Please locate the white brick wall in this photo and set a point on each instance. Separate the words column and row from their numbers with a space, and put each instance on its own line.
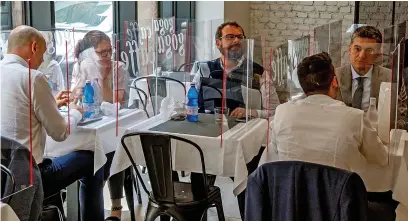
column 296, row 19
column 377, row 14
column 401, row 12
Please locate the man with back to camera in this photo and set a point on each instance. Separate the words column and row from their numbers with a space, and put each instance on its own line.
column 320, row 129
column 26, row 47
column 229, row 37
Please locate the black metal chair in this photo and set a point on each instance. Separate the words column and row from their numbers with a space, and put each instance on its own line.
column 180, row 200
column 5, row 172
column 143, row 102
column 207, row 87
column 158, row 82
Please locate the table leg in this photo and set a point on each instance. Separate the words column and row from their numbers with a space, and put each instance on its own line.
column 73, row 202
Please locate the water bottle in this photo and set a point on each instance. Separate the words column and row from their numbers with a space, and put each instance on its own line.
column 88, row 100
column 372, row 113
column 97, row 97
column 192, row 104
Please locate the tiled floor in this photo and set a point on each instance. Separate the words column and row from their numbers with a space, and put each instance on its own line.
column 229, row 202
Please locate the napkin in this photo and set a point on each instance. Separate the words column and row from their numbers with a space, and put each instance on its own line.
column 109, row 109
column 167, row 107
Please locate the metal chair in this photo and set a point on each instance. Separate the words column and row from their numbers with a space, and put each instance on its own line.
column 158, row 82
column 5, row 172
column 182, row 201
column 138, row 90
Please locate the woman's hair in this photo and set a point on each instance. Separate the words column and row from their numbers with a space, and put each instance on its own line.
column 316, row 73
column 91, row 39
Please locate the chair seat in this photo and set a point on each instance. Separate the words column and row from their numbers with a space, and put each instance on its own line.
column 183, row 195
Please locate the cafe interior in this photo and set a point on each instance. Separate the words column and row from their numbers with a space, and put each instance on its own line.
column 204, row 110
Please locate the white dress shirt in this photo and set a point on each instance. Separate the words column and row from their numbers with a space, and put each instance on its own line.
column 322, row 130
column 365, row 101
column 201, row 69
column 88, row 69
column 15, row 107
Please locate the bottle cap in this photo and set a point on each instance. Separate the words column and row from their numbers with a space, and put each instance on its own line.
column 373, row 100
column 87, row 82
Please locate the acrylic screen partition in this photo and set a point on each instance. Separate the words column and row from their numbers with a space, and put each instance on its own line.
column 165, row 55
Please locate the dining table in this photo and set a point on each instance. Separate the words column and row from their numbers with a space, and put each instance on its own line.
column 227, row 146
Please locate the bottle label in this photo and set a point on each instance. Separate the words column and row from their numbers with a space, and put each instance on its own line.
column 192, row 110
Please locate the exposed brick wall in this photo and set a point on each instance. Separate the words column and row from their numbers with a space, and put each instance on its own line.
column 401, row 12
column 282, row 21
column 377, row 14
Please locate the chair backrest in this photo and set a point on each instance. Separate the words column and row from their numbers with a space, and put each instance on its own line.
column 16, row 158
column 142, row 101
column 158, row 83
column 158, row 157
column 254, row 98
column 4, row 174
column 210, row 94
column 294, row 190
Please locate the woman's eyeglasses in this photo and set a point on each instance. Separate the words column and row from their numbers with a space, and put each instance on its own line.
column 231, row 37
column 104, row 53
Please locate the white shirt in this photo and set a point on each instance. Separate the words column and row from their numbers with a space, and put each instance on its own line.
column 88, row 69
column 365, row 101
column 15, row 107
column 322, row 130
column 201, row 69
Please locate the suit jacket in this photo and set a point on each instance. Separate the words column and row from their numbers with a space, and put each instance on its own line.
column 300, row 191
column 344, row 77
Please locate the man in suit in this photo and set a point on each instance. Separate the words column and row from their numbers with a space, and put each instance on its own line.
column 320, row 129
column 361, row 79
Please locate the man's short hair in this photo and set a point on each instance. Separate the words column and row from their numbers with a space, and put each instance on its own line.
column 218, row 33
column 367, row 32
column 316, row 73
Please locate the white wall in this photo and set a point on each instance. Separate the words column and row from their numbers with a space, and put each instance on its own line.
column 209, row 15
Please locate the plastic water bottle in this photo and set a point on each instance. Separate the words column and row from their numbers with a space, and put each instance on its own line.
column 88, row 100
column 192, row 105
column 97, row 97
column 372, row 113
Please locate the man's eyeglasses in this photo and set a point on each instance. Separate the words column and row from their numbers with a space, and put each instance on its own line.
column 104, row 53
column 231, row 37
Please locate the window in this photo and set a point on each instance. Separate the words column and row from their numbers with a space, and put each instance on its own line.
column 84, row 16
column 6, row 18
column 73, row 19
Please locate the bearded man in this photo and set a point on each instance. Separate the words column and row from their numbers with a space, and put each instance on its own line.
column 234, row 67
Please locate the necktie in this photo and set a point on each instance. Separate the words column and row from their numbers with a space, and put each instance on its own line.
column 358, row 94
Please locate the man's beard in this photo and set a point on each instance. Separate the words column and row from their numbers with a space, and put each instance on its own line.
column 232, row 54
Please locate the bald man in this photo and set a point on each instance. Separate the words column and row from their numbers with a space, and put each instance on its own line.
column 26, row 47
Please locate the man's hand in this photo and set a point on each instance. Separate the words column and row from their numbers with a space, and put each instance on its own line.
column 241, row 112
column 62, row 98
column 238, row 112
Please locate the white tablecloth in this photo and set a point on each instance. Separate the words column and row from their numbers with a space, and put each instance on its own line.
column 239, row 146
column 99, row 137
column 380, row 179
column 7, row 213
